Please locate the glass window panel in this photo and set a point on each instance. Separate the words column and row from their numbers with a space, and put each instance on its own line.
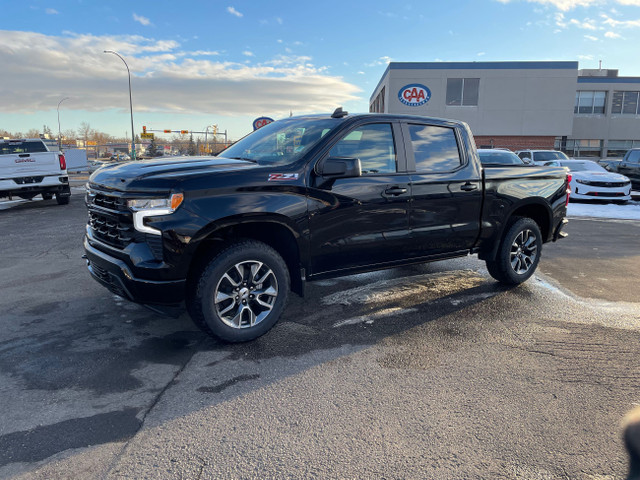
column 470, row 92
column 454, row 91
column 372, row 144
column 577, row 102
column 599, row 101
column 435, row 148
column 630, row 103
column 616, row 104
column 586, row 102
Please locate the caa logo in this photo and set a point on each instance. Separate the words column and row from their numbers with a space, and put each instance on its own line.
column 414, row 95
column 261, row 122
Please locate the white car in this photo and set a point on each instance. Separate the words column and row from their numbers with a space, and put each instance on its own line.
column 589, row 181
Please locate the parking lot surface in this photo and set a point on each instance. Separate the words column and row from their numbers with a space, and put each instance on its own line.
column 432, row 371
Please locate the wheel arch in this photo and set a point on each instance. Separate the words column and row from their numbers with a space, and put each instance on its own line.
column 271, row 230
column 537, row 210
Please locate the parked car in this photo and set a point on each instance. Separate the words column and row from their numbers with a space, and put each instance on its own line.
column 590, row 181
column 28, row 168
column 497, row 157
column 541, row 157
column 609, row 164
column 630, row 166
column 231, row 235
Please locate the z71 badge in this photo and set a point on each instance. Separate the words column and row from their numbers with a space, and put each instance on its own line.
column 273, row 177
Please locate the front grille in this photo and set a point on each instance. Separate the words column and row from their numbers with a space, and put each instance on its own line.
column 114, row 230
column 608, row 184
column 111, row 202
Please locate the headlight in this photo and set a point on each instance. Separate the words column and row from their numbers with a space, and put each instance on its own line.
column 167, row 203
column 153, row 207
column 584, row 182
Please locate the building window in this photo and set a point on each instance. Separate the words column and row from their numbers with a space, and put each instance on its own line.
column 625, row 103
column 590, row 103
column 584, row 148
column 462, row 91
column 377, row 106
column 435, row 149
column 617, row 148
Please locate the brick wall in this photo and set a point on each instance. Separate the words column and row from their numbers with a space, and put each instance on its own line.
column 515, row 142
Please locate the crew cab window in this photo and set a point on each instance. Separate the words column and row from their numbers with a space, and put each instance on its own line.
column 372, row 144
column 435, row 149
column 524, row 155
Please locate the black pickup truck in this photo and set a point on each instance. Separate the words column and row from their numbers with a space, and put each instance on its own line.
column 307, row 198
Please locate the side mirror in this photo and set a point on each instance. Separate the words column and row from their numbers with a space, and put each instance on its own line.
column 341, row 167
column 527, row 161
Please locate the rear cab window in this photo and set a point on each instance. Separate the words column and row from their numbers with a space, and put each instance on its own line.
column 17, row 147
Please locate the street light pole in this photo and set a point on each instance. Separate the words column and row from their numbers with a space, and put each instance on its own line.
column 59, row 137
column 133, row 140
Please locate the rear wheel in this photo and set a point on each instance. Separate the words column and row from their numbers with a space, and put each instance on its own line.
column 62, row 200
column 519, row 252
column 241, row 293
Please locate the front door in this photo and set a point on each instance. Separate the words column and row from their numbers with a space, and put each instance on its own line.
column 361, row 221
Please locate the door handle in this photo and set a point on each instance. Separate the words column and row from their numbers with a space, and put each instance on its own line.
column 395, row 191
column 468, row 187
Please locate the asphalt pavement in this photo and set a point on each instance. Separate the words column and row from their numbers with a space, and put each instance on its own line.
column 431, row 371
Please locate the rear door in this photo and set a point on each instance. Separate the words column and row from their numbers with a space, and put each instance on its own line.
column 355, row 222
column 446, row 187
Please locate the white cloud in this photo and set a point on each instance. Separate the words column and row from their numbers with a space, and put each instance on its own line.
column 591, row 37
column 247, row 53
column 566, row 5
column 51, row 11
column 585, row 57
column 619, row 23
column 612, row 35
column 39, row 69
column 279, row 20
column 380, row 61
column 235, row 12
column 141, row 20
column 586, row 24
column 482, row 54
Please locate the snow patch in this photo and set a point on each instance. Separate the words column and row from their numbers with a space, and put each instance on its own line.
column 629, row 211
column 369, row 319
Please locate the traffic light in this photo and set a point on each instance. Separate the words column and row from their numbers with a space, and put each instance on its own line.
column 167, row 131
column 144, row 129
column 184, row 132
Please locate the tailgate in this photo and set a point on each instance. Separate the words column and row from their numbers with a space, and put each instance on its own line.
column 29, row 165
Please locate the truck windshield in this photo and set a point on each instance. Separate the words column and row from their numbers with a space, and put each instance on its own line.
column 281, row 142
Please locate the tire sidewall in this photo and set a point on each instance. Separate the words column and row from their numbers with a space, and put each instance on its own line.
column 221, row 265
column 505, row 250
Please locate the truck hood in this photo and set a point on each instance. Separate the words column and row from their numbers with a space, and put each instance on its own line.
column 162, row 173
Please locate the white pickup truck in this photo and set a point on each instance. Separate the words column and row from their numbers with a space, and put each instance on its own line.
column 28, row 168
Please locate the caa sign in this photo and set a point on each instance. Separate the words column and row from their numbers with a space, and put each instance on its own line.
column 261, row 122
column 414, row 95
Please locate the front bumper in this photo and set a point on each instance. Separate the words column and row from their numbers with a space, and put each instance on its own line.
column 115, row 275
column 591, row 192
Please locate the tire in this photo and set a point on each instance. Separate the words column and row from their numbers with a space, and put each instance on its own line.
column 47, row 196
column 519, row 252
column 62, row 200
column 241, row 292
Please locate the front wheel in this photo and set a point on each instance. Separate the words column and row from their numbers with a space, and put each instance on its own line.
column 241, row 293
column 519, row 252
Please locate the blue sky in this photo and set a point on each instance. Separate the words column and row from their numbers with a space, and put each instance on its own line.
column 227, row 62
